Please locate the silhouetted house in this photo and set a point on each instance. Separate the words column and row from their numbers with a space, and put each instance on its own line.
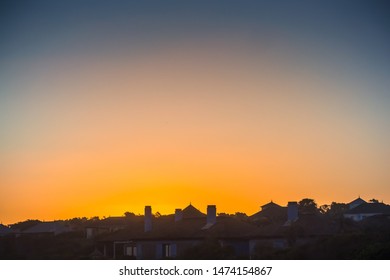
column 171, row 236
column 366, row 210
column 270, row 213
column 47, row 228
column 273, row 232
column 358, row 201
column 4, row 230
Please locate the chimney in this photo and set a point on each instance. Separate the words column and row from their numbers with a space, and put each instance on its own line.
column 211, row 214
column 148, row 218
column 178, row 215
column 292, row 211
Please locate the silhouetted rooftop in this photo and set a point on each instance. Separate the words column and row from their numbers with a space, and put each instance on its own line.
column 356, row 202
column 270, row 212
column 191, row 212
column 270, row 204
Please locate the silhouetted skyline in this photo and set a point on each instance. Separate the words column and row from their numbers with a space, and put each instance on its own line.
column 300, row 230
column 112, row 105
column 369, row 207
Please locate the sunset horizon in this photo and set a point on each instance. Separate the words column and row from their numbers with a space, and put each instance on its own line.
column 170, row 210
column 109, row 107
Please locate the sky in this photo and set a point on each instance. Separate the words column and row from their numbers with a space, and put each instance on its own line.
column 108, row 106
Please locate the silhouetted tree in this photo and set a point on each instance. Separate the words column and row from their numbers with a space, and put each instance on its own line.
column 337, row 210
column 373, row 200
column 307, row 206
column 324, row 208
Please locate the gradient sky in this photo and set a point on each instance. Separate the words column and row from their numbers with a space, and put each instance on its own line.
column 107, row 106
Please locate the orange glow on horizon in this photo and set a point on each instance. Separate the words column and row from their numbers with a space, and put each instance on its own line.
column 203, row 126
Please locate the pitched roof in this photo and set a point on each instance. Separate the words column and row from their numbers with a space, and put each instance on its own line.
column 270, row 212
column 357, row 201
column 269, row 205
column 191, row 212
column 370, row 208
